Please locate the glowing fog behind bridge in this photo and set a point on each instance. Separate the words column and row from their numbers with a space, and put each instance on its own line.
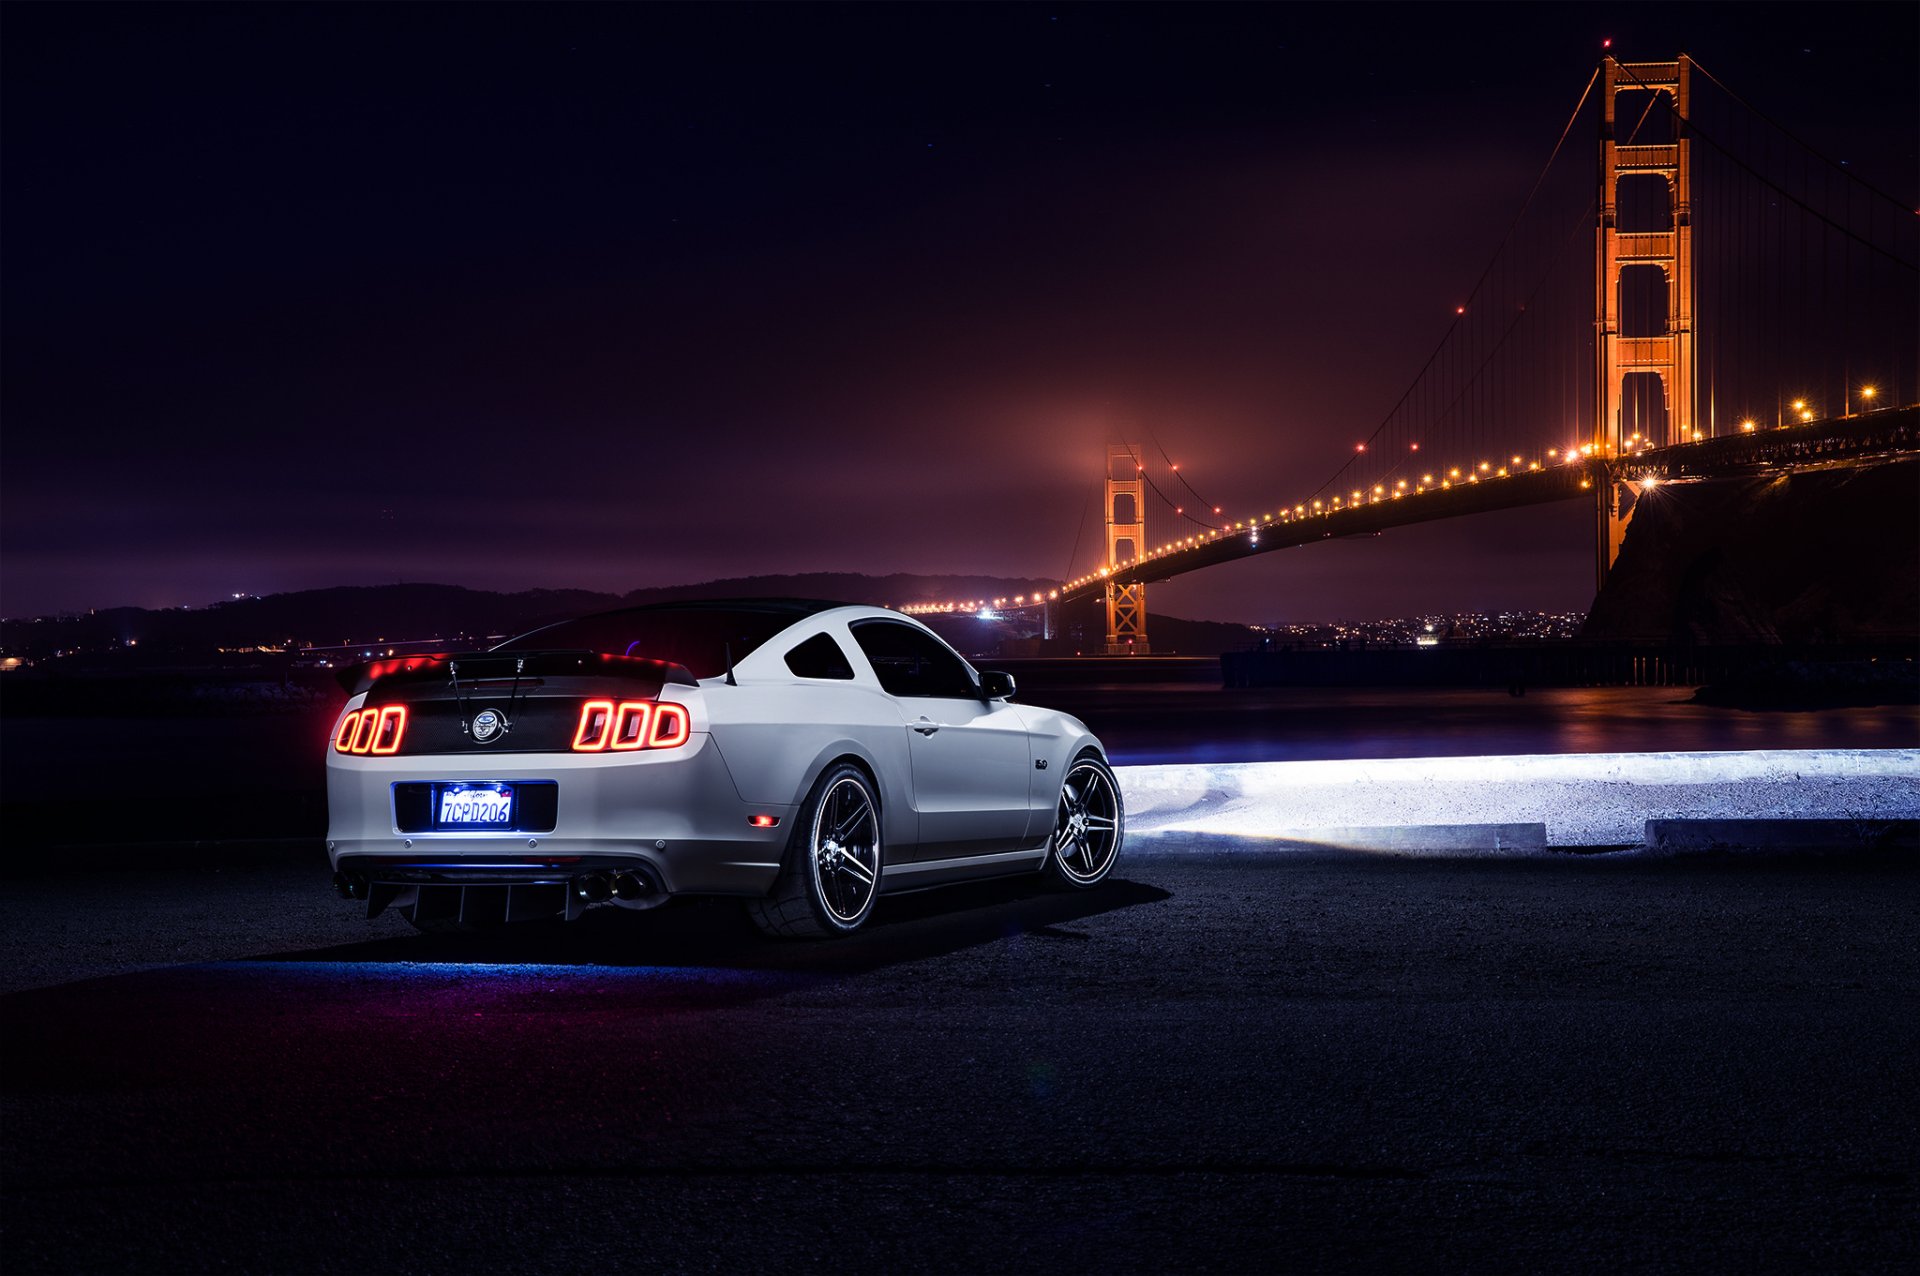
column 1722, row 300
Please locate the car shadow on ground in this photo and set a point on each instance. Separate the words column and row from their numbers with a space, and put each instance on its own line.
column 715, row 933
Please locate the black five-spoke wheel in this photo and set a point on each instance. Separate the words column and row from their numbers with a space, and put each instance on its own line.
column 846, row 850
column 832, row 871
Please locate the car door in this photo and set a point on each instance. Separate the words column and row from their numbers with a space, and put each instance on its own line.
column 970, row 757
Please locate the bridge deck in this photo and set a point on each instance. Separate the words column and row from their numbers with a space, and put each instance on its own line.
column 1865, row 439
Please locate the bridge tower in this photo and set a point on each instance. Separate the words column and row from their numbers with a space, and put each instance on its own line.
column 1668, row 355
column 1126, row 541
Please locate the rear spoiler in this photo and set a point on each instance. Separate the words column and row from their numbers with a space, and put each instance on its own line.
column 476, row 666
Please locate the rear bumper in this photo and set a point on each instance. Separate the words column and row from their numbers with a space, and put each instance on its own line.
column 674, row 816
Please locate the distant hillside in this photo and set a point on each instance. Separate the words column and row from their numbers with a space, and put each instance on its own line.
column 400, row 613
column 353, row 615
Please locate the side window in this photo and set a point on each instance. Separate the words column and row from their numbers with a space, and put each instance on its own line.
column 911, row 663
column 819, row 657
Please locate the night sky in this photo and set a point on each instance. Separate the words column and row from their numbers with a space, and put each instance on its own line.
column 611, row 297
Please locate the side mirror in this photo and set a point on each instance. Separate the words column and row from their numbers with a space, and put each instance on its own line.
column 995, row 685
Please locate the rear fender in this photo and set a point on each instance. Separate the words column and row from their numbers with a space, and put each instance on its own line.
column 898, row 819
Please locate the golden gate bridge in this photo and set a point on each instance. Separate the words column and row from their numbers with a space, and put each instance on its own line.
column 1745, row 305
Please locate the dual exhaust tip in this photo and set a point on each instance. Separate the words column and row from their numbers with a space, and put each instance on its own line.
column 597, row 887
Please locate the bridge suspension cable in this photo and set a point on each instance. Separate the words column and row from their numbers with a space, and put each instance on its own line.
column 1749, row 268
column 1700, row 134
column 1838, row 167
column 1458, row 372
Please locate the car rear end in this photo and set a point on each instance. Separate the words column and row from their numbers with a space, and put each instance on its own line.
column 510, row 786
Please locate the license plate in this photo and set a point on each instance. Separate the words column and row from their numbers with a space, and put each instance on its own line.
column 476, row 806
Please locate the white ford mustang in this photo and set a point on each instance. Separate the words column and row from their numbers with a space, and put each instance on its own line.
column 807, row 757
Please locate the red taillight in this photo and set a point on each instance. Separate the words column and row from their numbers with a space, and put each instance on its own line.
column 671, row 727
column 372, row 730
column 363, row 734
column 635, row 717
column 596, row 726
column 393, row 725
column 629, row 725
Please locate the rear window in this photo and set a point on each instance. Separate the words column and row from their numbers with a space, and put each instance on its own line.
column 700, row 638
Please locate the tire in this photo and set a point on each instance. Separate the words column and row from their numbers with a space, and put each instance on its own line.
column 831, row 875
column 1090, row 825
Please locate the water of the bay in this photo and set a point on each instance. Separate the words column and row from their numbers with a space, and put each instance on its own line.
column 1184, row 722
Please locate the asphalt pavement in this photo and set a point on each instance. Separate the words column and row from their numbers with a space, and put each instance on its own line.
column 1217, row 1061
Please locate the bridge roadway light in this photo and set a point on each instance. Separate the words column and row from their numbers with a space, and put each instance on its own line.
column 1866, row 393
column 1748, row 426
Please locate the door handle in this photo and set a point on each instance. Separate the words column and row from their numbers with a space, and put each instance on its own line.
column 926, row 727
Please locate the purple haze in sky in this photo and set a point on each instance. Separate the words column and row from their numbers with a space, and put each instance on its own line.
column 621, row 296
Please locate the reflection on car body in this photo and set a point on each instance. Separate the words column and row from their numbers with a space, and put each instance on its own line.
column 807, row 757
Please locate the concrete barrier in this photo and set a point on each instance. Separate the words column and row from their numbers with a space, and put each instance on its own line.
column 1450, row 841
column 1582, row 800
column 1783, row 837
